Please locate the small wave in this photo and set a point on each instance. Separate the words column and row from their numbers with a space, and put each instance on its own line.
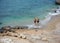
column 49, row 17
column 45, row 21
column 34, row 26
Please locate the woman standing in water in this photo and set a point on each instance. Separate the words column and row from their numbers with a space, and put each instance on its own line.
column 36, row 21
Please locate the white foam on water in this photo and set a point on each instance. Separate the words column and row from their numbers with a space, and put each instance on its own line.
column 46, row 20
column 50, row 15
column 34, row 26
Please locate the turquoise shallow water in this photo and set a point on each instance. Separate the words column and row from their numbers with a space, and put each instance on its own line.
column 22, row 12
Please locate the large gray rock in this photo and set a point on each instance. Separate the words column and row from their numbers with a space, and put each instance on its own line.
column 58, row 2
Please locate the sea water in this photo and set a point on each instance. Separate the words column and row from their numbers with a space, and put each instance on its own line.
column 22, row 12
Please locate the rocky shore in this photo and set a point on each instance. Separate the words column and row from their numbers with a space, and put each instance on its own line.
column 21, row 34
column 30, row 36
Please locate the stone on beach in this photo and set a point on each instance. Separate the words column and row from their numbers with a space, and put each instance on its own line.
column 22, row 36
column 1, row 31
column 6, row 28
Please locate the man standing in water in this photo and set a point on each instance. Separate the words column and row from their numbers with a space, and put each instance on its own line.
column 36, row 21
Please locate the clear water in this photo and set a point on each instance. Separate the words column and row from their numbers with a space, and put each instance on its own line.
column 22, row 12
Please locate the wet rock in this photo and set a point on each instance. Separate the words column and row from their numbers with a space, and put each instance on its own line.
column 20, row 27
column 1, row 31
column 0, row 23
column 16, row 27
column 24, row 27
column 6, row 27
column 57, row 2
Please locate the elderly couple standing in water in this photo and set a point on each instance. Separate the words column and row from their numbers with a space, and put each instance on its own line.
column 36, row 21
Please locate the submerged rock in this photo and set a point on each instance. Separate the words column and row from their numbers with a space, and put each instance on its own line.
column 20, row 27
column 1, row 23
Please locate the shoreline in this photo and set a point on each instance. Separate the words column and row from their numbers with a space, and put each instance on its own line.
column 54, row 20
column 43, row 23
column 49, row 33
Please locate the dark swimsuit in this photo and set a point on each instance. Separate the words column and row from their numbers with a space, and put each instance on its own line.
column 36, row 21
